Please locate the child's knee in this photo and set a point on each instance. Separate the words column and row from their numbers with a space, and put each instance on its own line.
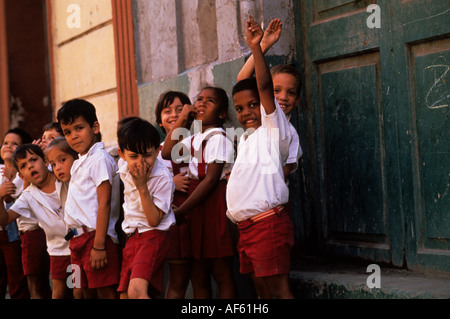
column 138, row 289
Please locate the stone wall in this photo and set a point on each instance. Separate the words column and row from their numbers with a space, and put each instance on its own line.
column 185, row 45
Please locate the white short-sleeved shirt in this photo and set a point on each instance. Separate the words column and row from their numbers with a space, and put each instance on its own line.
column 295, row 150
column 219, row 148
column 87, row 173
column 42, row 207
column 23, row 223
column 256, row 183
column 161, row 187
column 168, row 163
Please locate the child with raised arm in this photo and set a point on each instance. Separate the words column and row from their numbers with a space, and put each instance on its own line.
column 256, row 191
column 92, row 204
column 41, row 201
column 211, row 154
column 148, row 215
column 167, row 112
column 11, row 185
column 51, row 132
column 286, row 85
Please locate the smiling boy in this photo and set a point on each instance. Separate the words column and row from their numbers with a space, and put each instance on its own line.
column 256, row 191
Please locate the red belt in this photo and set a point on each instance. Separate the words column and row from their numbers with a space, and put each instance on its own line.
column 276, row 210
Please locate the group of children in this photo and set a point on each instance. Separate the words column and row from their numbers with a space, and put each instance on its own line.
column 173, row 200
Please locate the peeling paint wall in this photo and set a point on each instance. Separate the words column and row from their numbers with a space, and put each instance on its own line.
column 180, row 45
column 185, row 45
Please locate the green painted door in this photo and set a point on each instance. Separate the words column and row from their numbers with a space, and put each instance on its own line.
column 375, row 127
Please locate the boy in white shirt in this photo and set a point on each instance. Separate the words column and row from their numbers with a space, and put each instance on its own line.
column 286, row 85
column 92, row 204
column 256, row 190
column 148, row 215
column 41, row 202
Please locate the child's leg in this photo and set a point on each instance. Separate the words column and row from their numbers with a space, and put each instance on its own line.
column 36, row 262
column 138, row 289
column 33, row 286
column 77, row 293
column 3, row 277
column 201, row 279
column 179, row 276
column 87, row 293
column 279, row 286
column 60, row 289
column 260, row 286
column 223, row 275
column 17, row 282
column 123, row 295
column 108, row 292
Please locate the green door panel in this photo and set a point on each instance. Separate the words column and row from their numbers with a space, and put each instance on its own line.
column 376, row 130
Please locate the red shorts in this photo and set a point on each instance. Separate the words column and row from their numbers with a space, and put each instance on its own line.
column 180, row 240
column 35, row 259
column 143, row 257
column 264, row 247
column 58, row 267
column 80, row 252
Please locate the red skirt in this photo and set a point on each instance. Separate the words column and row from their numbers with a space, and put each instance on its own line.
column 179, row 235
column 209, row 226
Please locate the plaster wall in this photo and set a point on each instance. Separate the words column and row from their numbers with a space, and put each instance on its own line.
column 84, row 58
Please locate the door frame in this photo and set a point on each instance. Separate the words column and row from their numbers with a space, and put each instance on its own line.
column 4, row 81
column 127, row 91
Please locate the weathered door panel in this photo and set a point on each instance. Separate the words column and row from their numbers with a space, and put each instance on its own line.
column 378, row 126
column 424, row 41
column 345, row 80
column 353, row 152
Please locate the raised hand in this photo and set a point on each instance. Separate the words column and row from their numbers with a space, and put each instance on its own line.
column 7, row 189
column 140, row 173
column 188, row 112
column 272, row 34
column 8, row 173
column 254, row 32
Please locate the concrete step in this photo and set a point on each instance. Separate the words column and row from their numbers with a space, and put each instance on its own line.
column 324, row 280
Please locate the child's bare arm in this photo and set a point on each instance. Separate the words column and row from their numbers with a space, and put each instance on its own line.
column 98, row 253
column 6, row 217
column 203, row 189
column 287, row 169
column 271, row 36
column 183, row 121
column 263, row 77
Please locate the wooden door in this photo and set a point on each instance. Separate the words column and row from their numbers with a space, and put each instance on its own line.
column 378, row 163
column 422, row 60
